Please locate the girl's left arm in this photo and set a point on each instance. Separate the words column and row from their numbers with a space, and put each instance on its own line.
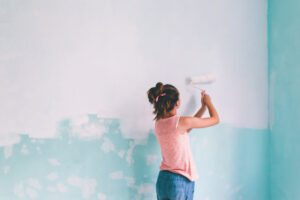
column 199, row 114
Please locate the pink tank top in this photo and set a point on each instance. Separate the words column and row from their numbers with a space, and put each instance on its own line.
column 175, row 148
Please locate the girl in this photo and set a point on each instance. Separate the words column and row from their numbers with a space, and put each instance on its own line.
column 177, row 175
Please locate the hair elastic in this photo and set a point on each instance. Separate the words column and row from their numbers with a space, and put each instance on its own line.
column 163, row 94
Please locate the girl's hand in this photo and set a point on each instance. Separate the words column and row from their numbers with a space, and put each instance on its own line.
column 206, row 99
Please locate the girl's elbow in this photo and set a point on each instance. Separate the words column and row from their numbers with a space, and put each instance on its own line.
column 217, row 121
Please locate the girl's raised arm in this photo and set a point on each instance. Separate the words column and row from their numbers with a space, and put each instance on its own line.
column 187, row 123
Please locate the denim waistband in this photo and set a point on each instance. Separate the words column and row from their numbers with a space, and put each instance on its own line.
column 172, row 175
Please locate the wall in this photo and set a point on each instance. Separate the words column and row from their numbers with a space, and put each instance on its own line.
column 284, row 71
column 74, row 112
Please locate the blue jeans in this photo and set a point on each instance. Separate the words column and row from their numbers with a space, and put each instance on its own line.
column 172, row 186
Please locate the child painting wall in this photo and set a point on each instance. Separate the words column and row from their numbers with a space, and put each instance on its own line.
column 75, row 122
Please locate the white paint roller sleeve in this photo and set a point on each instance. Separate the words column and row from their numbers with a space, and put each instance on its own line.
column 208, row 78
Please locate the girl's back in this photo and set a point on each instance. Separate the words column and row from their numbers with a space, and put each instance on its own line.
column 175, row 148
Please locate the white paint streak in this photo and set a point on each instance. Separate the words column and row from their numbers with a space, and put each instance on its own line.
column 151, row 159
column 146, row 188
column 8, row 139
column 28, row 188
column 121, row 153
column 8, row 150
column 116, row 175
column 107, row 145
column 129, row 157
column 34, row 183
column 87, row 185
column 24, row 150
column 83, row 129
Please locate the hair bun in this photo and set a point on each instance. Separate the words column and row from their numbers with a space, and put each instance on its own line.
column 159, row 87
column 155, row 91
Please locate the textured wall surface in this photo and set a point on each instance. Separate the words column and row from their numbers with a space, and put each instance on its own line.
column 231, row 164
column 75, row 119
column 284, row 71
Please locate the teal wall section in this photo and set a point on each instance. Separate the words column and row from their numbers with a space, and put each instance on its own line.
column 284, row 95
column 231, row 163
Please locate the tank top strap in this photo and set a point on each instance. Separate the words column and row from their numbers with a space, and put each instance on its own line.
column 178, row 117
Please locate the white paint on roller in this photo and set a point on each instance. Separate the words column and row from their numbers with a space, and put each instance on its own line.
column 204, row 79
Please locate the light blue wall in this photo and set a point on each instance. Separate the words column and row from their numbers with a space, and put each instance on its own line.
column 231, row 163
column 284, row 82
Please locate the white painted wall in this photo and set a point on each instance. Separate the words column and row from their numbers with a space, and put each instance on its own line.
column 61, row 59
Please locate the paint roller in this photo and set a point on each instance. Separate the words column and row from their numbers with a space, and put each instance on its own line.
column 203, row 79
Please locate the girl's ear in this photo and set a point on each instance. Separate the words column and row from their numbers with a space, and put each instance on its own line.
column 178, row 103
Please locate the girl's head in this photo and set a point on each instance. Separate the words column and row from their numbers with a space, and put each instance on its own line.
column 164, row 99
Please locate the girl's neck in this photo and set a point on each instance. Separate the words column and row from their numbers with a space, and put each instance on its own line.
column 171, row 113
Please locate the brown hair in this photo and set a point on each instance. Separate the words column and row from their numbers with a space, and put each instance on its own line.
column 165, row 103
